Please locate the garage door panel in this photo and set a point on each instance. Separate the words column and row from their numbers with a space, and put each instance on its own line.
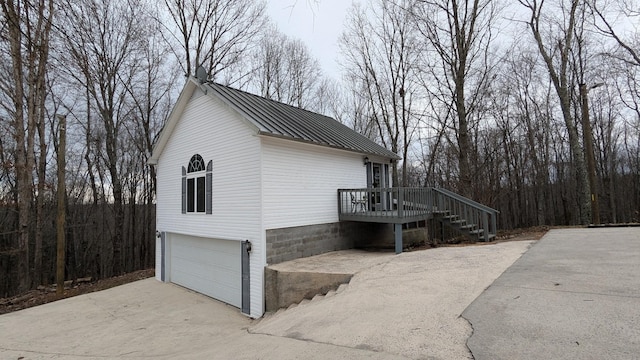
column 209, row 266
column 207, row 257
column 213, row 274
column 217, row 290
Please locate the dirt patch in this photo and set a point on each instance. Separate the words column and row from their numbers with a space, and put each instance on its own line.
column 47, row 294
column 533, row 233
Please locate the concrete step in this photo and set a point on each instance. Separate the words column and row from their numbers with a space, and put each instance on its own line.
column 316, row 297
column 270, row 314
column 267, row 315
column 341, row 288
column 330, row 293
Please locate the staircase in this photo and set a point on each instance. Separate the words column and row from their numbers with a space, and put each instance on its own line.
column 303, row 302
column 402, row 205
column 465, row 216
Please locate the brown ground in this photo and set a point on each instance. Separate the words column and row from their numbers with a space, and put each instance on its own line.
column 46, row 294
column 532, row 233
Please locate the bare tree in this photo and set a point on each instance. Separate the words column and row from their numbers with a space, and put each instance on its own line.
column 461, row 33
column 329, row 99
column 150, row 92
column 627, row 55
column 105, row 59
column 285, row 70
column 382, row 58
column 27, row 30
column 629, row 51
column 555, row 52
column 215, row 34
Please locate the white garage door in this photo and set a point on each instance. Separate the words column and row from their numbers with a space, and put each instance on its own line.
column 208, row 266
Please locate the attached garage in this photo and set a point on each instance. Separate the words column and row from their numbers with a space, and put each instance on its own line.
column 230, row 166
column 209, row 266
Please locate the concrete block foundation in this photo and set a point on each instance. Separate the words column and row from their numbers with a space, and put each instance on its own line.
column 283, row 288
column 292, row 243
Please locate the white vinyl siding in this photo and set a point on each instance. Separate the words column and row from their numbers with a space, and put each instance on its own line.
column 210, row 128
column 301, row 182
column 216, row 134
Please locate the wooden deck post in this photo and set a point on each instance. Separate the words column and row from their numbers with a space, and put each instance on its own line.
column 398, row 234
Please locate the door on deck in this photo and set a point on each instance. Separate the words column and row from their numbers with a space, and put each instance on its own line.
column 378, row 179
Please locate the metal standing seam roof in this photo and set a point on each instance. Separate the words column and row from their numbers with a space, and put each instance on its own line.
column 276, row 119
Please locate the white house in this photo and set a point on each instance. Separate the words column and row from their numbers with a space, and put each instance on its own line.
column 243, row 182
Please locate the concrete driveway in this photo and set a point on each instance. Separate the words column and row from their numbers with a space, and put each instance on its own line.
column 403, row 306
column 574, row 295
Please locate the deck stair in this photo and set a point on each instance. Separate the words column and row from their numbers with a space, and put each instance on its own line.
column 461, row 226
column 405, row 205
column 465, row 216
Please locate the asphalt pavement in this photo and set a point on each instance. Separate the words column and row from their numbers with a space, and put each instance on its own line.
column 574, row 295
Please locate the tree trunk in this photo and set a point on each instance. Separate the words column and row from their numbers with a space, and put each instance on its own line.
column 61, row 218
column 464, row 142
column 28, row 68
column 560, row 81
column 42, row 170
column 111, row 144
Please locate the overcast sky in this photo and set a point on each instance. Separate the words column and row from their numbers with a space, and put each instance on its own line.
column 317, row 23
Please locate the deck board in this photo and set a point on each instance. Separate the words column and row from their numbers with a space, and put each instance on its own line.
column 387, row 216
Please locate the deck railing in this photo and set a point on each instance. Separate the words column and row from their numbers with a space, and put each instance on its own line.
column 402, row 205
column 385, row 203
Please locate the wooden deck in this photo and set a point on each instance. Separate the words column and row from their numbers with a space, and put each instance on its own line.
column 404, row 205
column 386, row 216
column 386, row 205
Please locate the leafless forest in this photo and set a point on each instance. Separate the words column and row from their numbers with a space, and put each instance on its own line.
column 529, row 106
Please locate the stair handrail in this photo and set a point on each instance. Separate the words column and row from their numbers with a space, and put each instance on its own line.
column 486, row 210
column 466, row 200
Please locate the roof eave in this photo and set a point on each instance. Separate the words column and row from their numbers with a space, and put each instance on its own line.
column 172, row 120
column 309, row 142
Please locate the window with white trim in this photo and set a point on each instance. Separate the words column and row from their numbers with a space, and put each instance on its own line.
column 197, row 186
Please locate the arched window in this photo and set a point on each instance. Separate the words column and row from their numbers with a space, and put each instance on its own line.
column 196, row 164
column 197, row 186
